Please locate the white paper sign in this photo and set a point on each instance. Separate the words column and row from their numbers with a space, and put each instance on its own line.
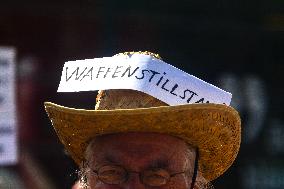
column 8, row 134
column 143, row 73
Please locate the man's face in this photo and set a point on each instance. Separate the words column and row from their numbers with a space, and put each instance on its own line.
column 137, row 152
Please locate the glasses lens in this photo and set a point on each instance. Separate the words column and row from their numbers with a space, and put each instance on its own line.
column 155, row 177
column 112, row 174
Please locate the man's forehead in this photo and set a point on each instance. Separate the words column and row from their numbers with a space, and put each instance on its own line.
column 153, row 161
column 156, row 150
column 139, row 142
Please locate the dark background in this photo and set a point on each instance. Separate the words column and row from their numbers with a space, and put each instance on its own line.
column 236, row 45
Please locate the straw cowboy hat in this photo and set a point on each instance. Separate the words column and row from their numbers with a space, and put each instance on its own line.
column 215, row 129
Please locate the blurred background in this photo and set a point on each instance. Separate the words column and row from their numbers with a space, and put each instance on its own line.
column 236, row 45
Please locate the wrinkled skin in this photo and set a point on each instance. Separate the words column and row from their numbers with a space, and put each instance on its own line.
column 140, row 151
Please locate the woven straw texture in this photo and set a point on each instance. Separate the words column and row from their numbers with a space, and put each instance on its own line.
column 215, row 129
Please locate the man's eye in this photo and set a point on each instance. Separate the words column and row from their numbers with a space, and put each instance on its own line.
column 157, row 173
column 156, row 177
column 111, row 173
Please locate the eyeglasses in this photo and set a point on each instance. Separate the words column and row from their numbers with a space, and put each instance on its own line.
column 115, row 174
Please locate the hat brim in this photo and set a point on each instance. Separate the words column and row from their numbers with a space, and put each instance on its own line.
column 214, row 129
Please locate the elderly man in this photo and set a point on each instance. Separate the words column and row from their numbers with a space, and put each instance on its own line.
column 134, row 140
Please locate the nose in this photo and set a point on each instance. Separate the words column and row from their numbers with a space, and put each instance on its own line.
column 134, row 182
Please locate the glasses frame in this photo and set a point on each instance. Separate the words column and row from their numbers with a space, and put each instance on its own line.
column 141, row 175
column 193, row 179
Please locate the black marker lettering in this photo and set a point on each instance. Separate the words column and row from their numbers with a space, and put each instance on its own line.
column 143, row 74
column 128, row 70
column 116, row 71
column 163, row 86
column 75, row 71
column 173, row 89
column 82, row 73
column 108, row 70
column 100, row 71
column 153, row 74
column 202, row 101
column 87, row 74
column 161, row 78
column 184, row 95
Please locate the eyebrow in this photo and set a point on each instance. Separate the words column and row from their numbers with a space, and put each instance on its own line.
column 110, row 159
column 106, row 159
column 159, row 163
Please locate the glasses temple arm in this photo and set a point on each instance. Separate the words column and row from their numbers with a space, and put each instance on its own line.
column 195, row 169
